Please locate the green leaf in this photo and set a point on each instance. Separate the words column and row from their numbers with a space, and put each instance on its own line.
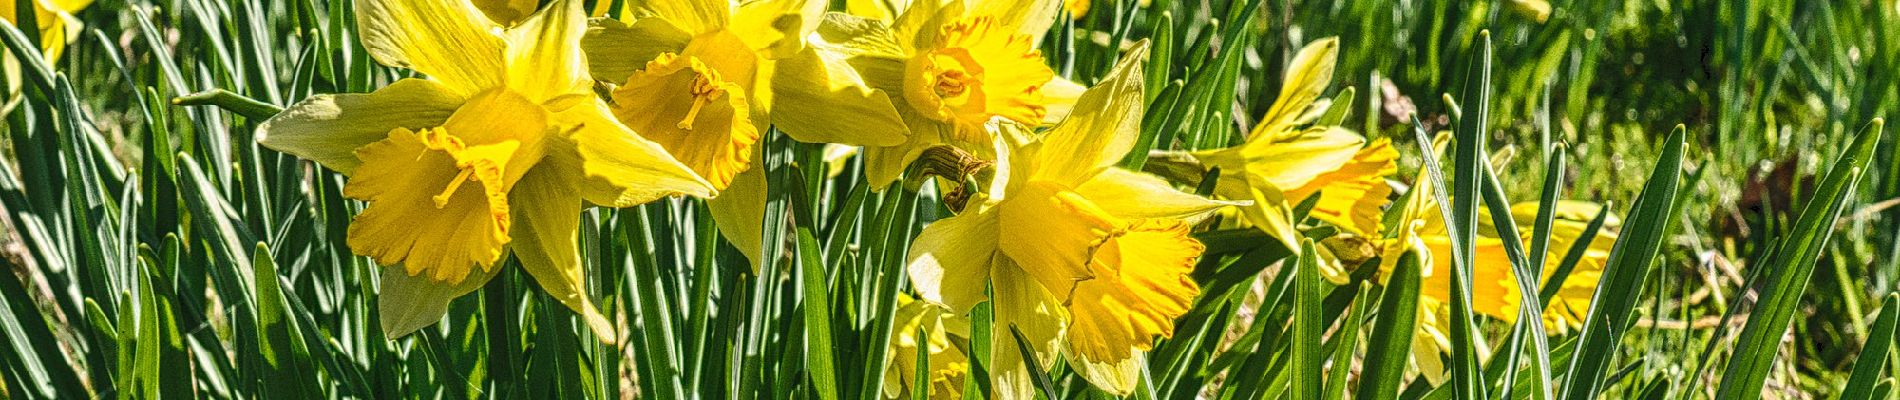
column 1389, row 348
column 1785, row 276
column 1307, row 326
column 1612, row 307
column 1873, row 354
column 287, row 356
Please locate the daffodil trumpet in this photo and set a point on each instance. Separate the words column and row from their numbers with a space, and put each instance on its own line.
column 495, row 152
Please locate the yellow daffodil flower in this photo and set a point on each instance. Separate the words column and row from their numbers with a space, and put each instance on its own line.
column 947, row 69
column 1088, row 260
column 948, row 365
column 1282, row 164
column 1494, row 290
column 498, row 148
column 56, row 26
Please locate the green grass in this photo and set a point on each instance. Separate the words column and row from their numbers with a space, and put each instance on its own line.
column 153, row 249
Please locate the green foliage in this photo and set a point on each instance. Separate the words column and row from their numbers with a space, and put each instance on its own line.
column 152, row 249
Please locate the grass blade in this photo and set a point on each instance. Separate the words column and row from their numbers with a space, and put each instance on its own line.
column 1785, row 276
column 1612, row 306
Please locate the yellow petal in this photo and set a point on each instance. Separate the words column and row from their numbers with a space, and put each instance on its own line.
column 1118, row 378
column 547, row 225
column 450, row 41
column 948, row 365
column 1353, row 196
column 1306, row 76
column 1023, row 304
column 694, row 16
column 822, row 99
column 405, row 303
column 622, row 168
column 1297, row 161
column 1025, row 17
column 1060, row 95
column 740, row 213
column 1492, row 289
column 507, row 12
column 1140, row 285
column 1136, row 195
column 327, row 128
column 1104, row 126
column 777, row 28
column 616, row 49
column 544, row 53
column 687, row 108
column 1052, row 233
column 1271, row 213
column 1077, row 8
column 880, row 10
column 949, row 263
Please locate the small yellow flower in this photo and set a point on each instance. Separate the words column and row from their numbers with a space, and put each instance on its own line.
column 56, row 26
column 1283, row 164
column 948, row 365
column 952, row 68
column 55, row 21
column 1088, row 260
column 1494, row 289
column 498, row 149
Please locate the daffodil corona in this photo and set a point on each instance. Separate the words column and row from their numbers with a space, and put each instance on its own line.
column 498, row 148
column 1086, row 259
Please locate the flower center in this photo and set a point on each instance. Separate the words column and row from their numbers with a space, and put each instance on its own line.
column 705, row 89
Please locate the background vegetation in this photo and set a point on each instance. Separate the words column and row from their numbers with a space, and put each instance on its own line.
column 152, row 249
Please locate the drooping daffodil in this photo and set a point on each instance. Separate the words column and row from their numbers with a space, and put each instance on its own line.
column 1088, row 260
column 947, row 68
column 497, row 149
column 1288, row 158
column 922, row 326
column 1494, row 289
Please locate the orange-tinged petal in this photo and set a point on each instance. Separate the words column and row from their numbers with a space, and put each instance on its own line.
column 1140, row 284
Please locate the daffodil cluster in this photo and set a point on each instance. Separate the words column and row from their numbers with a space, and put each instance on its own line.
column 522, row 114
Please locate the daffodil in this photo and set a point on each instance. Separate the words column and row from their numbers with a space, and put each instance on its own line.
column 1494, row 290
column 1088, row 260
column 947, row 69
column 56, row 26
column 702, row 78
column 1288, row 158
column 498, row 149
column 925, row 326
